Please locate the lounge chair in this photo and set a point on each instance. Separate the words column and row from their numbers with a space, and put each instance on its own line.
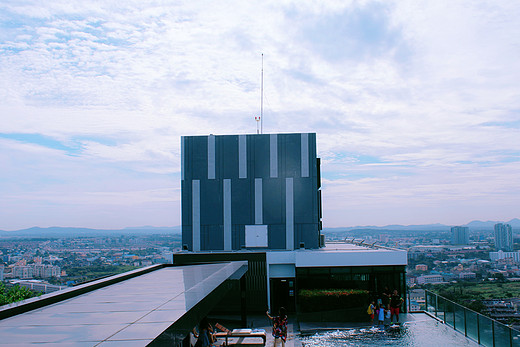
column 240, row 337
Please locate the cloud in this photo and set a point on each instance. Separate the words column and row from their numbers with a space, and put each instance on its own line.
column 401, row 94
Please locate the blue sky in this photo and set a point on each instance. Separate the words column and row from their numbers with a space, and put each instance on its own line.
column 415, row 103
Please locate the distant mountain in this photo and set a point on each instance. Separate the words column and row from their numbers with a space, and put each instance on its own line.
column 479, row 225
column 71, row 231
column 395, row 227
column 149, row 230
column 473, row 225
column 515, row 223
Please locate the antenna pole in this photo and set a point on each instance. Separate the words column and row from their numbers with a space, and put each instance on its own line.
column 262, row 100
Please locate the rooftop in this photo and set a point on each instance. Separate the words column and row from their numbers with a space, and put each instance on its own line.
column 135, row 311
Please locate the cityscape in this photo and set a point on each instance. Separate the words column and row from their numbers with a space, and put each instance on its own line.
column 448, row 260
column 294, row 173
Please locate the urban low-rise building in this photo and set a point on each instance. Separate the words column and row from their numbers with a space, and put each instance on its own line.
column 467, row 275
column 426, row 279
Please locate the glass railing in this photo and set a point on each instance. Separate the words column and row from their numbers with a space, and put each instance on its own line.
column 481, row 329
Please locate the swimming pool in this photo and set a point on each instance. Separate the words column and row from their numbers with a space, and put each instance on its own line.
column 427, row 332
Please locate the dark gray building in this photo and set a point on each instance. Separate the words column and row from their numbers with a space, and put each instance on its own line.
column 250, row 192
column 257, row 198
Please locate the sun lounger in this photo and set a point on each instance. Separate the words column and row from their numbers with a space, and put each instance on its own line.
column 241, row 336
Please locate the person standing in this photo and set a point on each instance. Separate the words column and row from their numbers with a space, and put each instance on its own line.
column 395, row 304
column 205, row 337
column 279, row 327
column 381, row 316
column 371, row 310
column 385, row 296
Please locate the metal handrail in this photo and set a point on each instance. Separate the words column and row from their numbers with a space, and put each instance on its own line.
column 513, row 334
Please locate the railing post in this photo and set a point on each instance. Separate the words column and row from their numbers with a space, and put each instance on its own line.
column 465, row 324
column 436, row 305
column 510, row 337
column 478, row 328
column 453, row 308
column 493, row 331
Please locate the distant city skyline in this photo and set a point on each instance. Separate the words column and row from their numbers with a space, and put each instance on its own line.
column 415, row 105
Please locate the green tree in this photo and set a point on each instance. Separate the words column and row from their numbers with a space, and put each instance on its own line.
column 476, row 306
column 14, row 294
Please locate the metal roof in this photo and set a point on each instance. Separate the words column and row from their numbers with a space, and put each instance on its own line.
column 134, row 311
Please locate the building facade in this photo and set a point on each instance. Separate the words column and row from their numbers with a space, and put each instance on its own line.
column 421, row 267
column 257, row 198
column 250, row 191
column 467, row 275
column 429, row 279
column 503, row 237
column 515, row 256
column 459, row 235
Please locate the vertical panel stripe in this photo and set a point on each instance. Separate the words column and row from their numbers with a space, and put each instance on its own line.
column 242, row 156
column 273, row 155
column 258, row 201
column 289, row 213
column 305, row 155
column 183, row 165
column 211, row 157
column 227, row 214
column 196, row 215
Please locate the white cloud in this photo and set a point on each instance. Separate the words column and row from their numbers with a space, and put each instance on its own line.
column 419, row 88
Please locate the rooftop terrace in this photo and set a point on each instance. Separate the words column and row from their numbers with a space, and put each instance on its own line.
column 134, row 311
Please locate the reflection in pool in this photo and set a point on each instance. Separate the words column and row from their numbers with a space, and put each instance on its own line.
column 419, row 333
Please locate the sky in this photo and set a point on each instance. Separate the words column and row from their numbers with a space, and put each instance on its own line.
column 416, row 104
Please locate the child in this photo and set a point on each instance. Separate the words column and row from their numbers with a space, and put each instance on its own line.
column 371, row 310
column 387, row 315
column 381, row 316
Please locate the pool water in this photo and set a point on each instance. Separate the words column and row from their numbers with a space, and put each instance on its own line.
column 419, row 333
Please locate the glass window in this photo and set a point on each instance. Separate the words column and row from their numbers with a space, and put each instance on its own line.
column 318, row 271
column 340, row 270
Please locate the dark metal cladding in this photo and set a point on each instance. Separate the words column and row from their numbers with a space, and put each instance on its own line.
column 268, row 159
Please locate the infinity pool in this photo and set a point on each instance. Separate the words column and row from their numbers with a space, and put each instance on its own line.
column 427, row 332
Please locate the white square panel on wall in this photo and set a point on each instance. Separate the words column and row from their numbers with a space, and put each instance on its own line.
column 256, row 235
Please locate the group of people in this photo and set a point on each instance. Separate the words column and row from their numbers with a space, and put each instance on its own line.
column 204, row 335
column 385, row 308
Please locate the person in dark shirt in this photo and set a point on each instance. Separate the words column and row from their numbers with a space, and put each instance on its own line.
column 395, row 305
column 385, row 296
column 205, row 337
